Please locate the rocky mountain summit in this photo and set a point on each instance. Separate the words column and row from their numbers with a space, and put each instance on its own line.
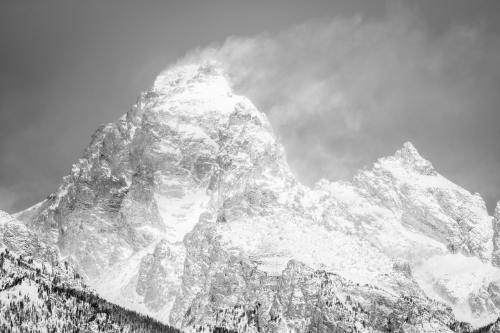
column 185, row 209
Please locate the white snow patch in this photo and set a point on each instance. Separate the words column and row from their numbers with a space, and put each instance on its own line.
column 180, row 215
column 452, row 279
column 275, row 241
column 26, row 288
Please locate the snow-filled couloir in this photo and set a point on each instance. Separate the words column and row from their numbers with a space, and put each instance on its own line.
column 186, row 209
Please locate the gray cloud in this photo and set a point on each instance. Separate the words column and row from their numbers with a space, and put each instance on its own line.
column 342, row 92
column 7, row 197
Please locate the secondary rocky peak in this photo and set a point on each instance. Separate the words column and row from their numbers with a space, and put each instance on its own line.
column 428, row 202
column 410, row 157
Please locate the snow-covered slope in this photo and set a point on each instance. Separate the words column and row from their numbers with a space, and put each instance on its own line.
column 186, row 209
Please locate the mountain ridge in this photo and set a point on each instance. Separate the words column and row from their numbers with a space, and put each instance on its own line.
column 167, row 198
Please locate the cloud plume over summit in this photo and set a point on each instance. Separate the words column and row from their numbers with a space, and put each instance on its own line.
column 342, row 91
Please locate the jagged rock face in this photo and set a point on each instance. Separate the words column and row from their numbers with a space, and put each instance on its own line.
column 305, row 300
column 496, row 236
column 185, row 208
column 221, row 289
column 159, row 276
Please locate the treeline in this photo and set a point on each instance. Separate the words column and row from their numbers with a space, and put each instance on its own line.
column 35, row 299
column 59, row 309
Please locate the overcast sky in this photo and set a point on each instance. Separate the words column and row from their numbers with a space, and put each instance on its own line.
column 343, row 82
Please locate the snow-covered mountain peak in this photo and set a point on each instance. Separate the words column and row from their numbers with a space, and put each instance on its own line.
column 410, row 158
column 429, row 202
column 207, row 79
